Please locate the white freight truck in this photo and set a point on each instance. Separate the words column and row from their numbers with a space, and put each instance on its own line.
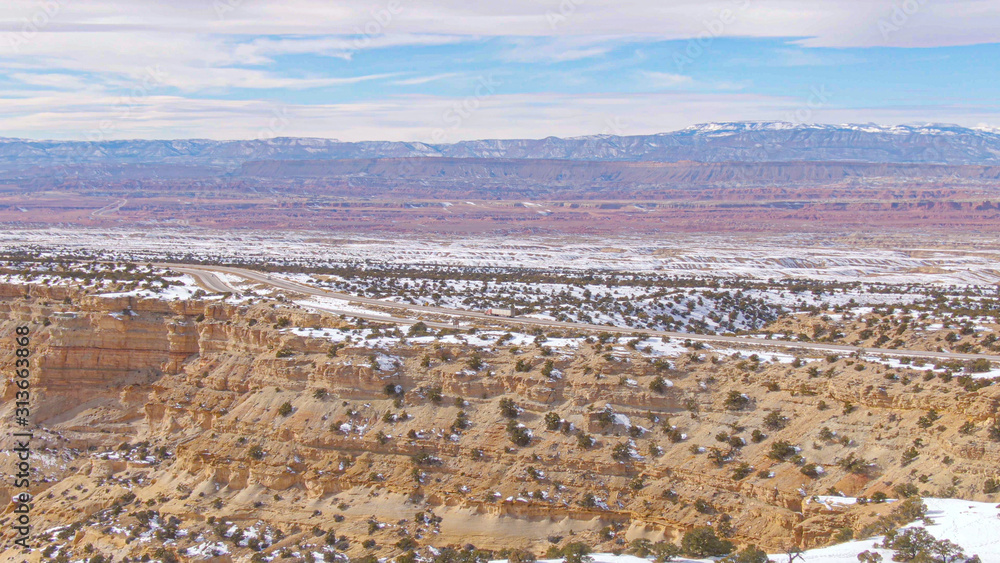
column 500, row 312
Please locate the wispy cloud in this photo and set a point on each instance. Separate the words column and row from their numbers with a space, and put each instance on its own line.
column 660, row 80
column 558, row 49
column 189, row 63
column 52, row 80
column 262, row 50
column 426, row 79
column 800, row 57
column 414, row 118
column 656, row 81
column 347, row 67
column 831, row 23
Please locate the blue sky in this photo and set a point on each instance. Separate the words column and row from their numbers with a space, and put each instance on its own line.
column 449, row 70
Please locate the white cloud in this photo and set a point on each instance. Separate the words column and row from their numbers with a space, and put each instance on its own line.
column 188, row 62
column 661, row 80
column 72, row 54
column 259, row 51
column 198, row 45
column 837, row 23
column 52, row 80
column 657, row 81
column 557, row 49
column 426, row 79
column 224, row 78
column 418, row 118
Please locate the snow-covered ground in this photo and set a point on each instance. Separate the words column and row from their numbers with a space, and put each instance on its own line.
column 169, row 288
column 332, row 305
column 777, row 257
column 185, row 289
column 704, row 285
column 974, row 526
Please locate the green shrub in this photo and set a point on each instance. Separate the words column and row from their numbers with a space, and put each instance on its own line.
column 844, row 535
column 917, row 544
column 552, row 421
column 781, row 450
column 775, row 420
column 749, row 554
column 606, row 417
column 702, row 542
column 994, row 430
column 518, row 434
column 737, row 401
column 855, row 465
column 977, row 366
column 509, row 408
column 577, row 552
column 622, row 452
column 435, row 395
column 811, row 470
column 658, row 385
column 742, row 471
column 475, row 362
column 519, row 556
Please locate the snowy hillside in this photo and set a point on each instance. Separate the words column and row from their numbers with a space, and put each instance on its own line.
column 975, row 526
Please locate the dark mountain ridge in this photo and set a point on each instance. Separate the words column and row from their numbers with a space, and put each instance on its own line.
column 709, row 143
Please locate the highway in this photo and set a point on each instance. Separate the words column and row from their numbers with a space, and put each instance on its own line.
column 209, row 281
column 207, row 278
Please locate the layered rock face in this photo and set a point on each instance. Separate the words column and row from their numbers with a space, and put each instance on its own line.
column 94, row 348
column 209, row 412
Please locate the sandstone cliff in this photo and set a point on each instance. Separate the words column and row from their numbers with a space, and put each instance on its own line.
column 209, row 412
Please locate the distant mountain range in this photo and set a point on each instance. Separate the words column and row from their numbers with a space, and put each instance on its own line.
column 738, row 142
column 744, row 177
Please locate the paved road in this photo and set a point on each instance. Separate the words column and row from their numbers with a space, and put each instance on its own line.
column 207, row 278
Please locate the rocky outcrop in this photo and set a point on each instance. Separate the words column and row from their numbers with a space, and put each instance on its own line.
column 212, row 408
